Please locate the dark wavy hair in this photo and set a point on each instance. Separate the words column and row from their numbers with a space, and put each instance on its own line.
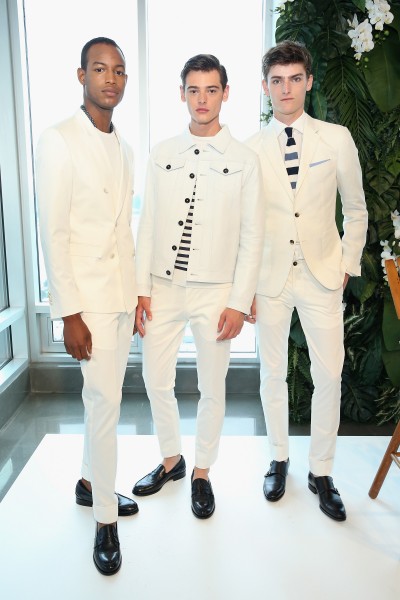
column 286, row 53
column 204, row 62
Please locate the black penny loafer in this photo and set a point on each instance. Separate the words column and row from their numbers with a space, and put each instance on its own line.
column 330, row 501
column 203, row 501
column 275, row 480
column 126, row 506
column 154, row 481
column 107, row 554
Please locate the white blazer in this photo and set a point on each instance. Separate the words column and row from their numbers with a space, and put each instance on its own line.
column 328, row 163
column 85, row 220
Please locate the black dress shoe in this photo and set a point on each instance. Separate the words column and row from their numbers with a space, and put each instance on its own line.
column 107, row 554
column 126, row 506
column 330, row 501
column 154, row 481
column 203, row 501
column 275, row 480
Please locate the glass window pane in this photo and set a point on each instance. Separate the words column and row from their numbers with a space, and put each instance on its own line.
column 234, row 33
column 3, row 272
column 179, row 29
column 50, row 50
column 5, row 347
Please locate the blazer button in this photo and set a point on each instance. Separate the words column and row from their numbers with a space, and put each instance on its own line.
column 296, row 214
column 295, row 264
column 187, row 200
column 105, row 190
column 112, row 255
column 180, row 223
column 168, row 272
column 226, row 170
column 292, row 241
column 174, row 248
column 197, row 151
column 192, row 175
column 168, row 167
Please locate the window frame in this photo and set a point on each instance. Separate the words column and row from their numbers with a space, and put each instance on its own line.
column 13, row 318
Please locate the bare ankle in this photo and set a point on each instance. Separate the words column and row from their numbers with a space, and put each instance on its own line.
column 200, row 473
column 170, row 462
column 87, row 484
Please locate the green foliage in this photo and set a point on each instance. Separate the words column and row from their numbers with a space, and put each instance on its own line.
column 388, row 405
column 383, row 72
column 365, row 97
column 299, row 382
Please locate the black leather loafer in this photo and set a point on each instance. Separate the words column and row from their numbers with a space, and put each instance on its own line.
column 275, row 480
column 126, row 506
column 330, row 501
column 154, row 481
column 107, row 554
column 203, row 501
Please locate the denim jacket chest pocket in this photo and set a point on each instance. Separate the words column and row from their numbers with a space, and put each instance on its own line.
column 168, row 172
column 226, row 177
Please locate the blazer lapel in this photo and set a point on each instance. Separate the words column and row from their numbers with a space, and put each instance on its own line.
column 309, row 146
column 273, row 153
column 121, row 185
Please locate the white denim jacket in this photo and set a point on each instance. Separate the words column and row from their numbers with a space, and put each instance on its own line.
column 228, row 219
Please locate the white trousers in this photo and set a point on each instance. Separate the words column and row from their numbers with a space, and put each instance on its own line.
column 321, row 315
column 173, row 307
column 103, row 376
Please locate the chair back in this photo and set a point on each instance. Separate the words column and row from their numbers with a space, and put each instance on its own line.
column 392, row 269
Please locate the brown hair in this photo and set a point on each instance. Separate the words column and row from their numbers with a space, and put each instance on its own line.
column 286, row 53
column 204, row 62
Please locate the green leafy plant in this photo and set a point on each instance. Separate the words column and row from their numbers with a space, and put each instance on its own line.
column 362, row 93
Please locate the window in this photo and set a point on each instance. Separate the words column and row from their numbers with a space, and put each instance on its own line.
column 3, row 276
column 5, row 335
column 157, row 37
column 56, row 57
column 180, row 29
column 5, row 347
column 13, row 317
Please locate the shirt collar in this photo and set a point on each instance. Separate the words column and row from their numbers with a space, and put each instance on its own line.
column 219, row 142
column 298, row 124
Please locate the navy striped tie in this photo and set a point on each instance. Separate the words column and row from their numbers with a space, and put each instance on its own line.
column 291, row 157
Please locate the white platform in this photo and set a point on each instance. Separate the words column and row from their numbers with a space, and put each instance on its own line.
column 250, row 549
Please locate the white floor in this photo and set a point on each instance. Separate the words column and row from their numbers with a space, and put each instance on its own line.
column 249, row 549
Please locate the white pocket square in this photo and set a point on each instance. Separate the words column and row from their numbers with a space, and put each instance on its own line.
column 320, row 162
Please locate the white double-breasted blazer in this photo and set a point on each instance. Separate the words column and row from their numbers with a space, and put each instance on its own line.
column 85, row 220
column 328, row 164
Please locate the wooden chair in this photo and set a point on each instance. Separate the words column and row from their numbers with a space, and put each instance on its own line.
column 392, row 453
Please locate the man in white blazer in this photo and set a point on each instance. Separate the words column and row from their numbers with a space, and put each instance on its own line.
column 199, row 248
column 84, row 177
column 306, row 264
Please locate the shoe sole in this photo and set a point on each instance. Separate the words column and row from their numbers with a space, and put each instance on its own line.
column 132, row 512
column 314, row 490
column 158, row 488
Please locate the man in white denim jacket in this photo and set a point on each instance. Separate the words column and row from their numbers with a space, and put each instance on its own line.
column 198, row 255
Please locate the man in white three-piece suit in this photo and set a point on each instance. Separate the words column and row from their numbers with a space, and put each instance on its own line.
column 84, row 176
column 306, row 264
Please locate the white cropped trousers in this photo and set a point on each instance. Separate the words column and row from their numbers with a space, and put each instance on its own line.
column 173, row 307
